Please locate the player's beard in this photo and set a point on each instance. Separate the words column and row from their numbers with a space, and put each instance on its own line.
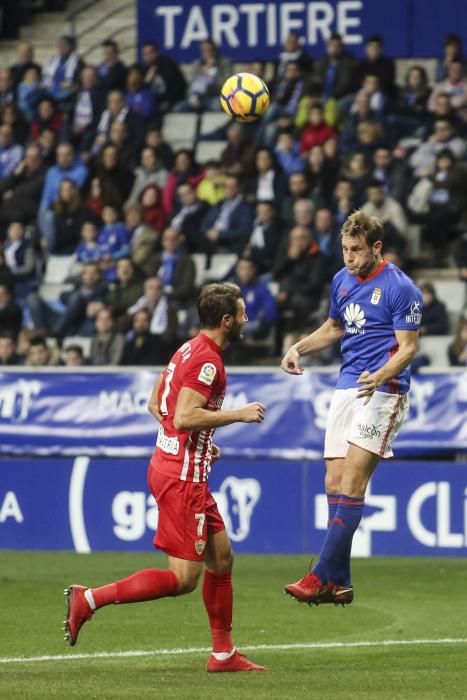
column 369, row 267
column 235, row 332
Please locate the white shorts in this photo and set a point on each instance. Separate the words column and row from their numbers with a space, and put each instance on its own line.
column 372, row 426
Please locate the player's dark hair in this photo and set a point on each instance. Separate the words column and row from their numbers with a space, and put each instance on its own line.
column 361, row 224
column 216, row 301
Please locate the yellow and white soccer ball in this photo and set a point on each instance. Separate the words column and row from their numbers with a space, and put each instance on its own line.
column 245, row 97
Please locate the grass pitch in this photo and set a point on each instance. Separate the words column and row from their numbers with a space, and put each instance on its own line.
column 396, row 599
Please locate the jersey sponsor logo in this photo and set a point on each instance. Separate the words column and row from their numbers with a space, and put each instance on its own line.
column 167, row 444
column 376, row 296
column 354, row 318
column 207, row 373
column 415, row 315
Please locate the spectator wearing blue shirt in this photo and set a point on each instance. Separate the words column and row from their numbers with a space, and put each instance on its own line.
column 29, row 92
column 113, row 235
column 229, row 222
column 67, row 168
column 60, row 71
column 139, row 97
column 287, row 152
column 11, row 154
column 88, row 249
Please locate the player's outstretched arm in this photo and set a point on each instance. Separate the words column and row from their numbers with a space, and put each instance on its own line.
column 191, row 413
column 329, row 333
column 152, row 403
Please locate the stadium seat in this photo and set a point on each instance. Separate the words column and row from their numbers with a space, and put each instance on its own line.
column 436, row 347
column 179, row 130
column 451, row 292
column 58, row 268
column 209, row 150
column 211, row 121
column 51, row 292
column 200, row 261
column 221, row 264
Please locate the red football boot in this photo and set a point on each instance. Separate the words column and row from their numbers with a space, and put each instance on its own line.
column 310, row 589
column 236, row 662
column 79, row 612
column 339, row 595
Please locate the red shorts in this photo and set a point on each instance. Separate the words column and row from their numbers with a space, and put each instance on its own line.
column 188, row 513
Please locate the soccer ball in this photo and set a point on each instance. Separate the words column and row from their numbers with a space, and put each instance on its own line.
column 244, row 97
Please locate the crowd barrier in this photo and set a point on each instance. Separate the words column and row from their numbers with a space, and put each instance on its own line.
column 75, row 449
column 269, row 506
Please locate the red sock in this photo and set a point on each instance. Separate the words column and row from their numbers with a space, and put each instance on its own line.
column 148, row 584
column 218, row 601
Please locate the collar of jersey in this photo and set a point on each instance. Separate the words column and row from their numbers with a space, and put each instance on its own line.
column 380, row 267
column 210, row 342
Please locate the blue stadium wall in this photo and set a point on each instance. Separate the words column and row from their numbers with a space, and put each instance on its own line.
column 250, row 30
column 75, row 448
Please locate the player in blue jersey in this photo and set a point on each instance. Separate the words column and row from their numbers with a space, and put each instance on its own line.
column 375, row 312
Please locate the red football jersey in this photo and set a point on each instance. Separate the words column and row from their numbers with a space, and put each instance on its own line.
column 184, row 454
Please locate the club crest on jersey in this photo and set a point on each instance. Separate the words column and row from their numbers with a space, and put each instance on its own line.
column 207, row 373
column 376, row 296
column 199, row 547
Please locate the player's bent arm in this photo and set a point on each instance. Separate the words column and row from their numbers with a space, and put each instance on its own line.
column 326, row 335
column 191, row 413
column 152, row 403
column 407, row 341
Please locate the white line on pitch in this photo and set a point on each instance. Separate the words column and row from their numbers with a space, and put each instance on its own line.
column 205, row 650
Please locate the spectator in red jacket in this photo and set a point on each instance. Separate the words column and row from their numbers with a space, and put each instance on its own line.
column 317, row 132
column 185, row 170
column 154, row 214
column 48, row 117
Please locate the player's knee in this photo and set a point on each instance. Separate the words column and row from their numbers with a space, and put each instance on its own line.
column 226, row 562
column 222, row 564
column 333, row 483
column 187, row 584
column 354, row 486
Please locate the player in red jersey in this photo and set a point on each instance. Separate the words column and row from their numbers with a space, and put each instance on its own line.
column 187, row 401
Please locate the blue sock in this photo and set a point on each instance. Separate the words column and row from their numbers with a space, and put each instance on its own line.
column 333, row 502
column 334, row 563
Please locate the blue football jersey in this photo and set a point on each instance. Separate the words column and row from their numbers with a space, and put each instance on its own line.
column 370, row 310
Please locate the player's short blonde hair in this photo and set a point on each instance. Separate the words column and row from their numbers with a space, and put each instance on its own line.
column 361, row 224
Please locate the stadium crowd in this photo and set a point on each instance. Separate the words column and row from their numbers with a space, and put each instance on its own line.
column 85, row 171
